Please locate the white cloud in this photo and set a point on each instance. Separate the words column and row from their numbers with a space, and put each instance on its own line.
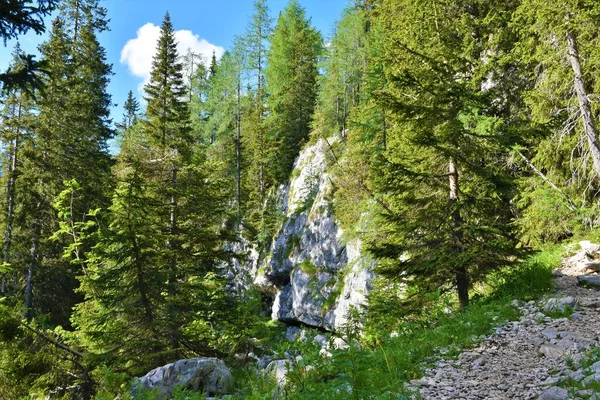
column 137, row 53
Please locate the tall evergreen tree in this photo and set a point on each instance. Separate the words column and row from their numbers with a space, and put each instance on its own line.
column 345, row 66
column 257, row 142
column 17, row 124
column 152, row 278
column 447, row 191
column 292, row 83
column 131, row 112
column 557, row 52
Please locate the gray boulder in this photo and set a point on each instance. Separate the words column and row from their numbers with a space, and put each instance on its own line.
column 554, row 393
column 551, row 350
column 206, row 375
column 561, row 304
column 593, row 281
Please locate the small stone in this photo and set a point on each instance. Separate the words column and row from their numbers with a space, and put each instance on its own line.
column 595, row 367
column 320, row 340
column 292, row 333
column 576, row 316
column 565, row 344
column 593, row 265
column 340, row 344
column 535, row 340
column 554, row 393
column 423, row 382
column 478, row 363
column 550, row 381
column 279, row 369
column 591, row 304
column 551, row 350
column 549, row 333
column 577, row 375
column 590, row 379
column 585, row 393
column 557, row 272
column 593, row 281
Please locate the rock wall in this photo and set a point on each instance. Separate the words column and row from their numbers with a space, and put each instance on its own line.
column 313, row 277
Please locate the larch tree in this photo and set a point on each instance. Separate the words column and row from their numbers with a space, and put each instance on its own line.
column 292, row 83
column 257, row 141
column 558, row 50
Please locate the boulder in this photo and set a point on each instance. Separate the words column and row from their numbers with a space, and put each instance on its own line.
column 561, row 304
column 551, row 350
column 588, row 380
column 554, row 393
column 206, row 375
column 593, row 281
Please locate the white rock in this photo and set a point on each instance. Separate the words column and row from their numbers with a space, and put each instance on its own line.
column 554, row 393
column 206, row 375
column 279, row 369
column 551, row 350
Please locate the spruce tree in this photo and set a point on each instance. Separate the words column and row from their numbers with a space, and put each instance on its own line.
column 447, row 190
column 152, row 276
column 17, row 125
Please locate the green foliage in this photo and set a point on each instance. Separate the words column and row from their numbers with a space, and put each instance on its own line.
column 308, row 267
column 528, row 279
column 344, row 72
column 446, row 189
column 292, row 84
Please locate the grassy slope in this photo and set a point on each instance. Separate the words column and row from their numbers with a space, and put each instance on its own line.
column 379, row 369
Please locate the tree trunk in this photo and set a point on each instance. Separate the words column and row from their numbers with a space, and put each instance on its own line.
column 10, row 193
column 461, row 273
column 570, row 204
column 35, row 241
column 384, row 130
column 238, row 148
column 172, row 323
column 172, row 231
column 589, row 125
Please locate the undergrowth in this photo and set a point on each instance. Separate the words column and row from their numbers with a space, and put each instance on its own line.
column 378, row 364
column 380, row 361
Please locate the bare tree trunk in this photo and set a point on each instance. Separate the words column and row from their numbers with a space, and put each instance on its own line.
column 173, row 229
column 238, row 148
column 589, row 125
column 384, row 130
column 33, row 265
column 461, row 274
column 172, row 322
column 570, row 204
column 10, row 192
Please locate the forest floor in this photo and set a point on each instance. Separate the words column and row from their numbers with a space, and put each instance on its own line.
column 547, row 354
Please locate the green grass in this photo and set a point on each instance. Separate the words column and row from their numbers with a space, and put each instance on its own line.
column 574, row 386
column 308, row 267
column 380, row 366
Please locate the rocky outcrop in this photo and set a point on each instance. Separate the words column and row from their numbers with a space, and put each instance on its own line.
column 206, row 375
column 315, row 278
column 312, row 275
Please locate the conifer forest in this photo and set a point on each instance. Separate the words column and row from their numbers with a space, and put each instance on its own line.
column 314, row 214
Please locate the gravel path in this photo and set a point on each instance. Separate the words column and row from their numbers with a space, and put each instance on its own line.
column 525, row 359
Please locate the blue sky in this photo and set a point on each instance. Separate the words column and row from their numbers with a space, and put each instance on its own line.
column 209, row 24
